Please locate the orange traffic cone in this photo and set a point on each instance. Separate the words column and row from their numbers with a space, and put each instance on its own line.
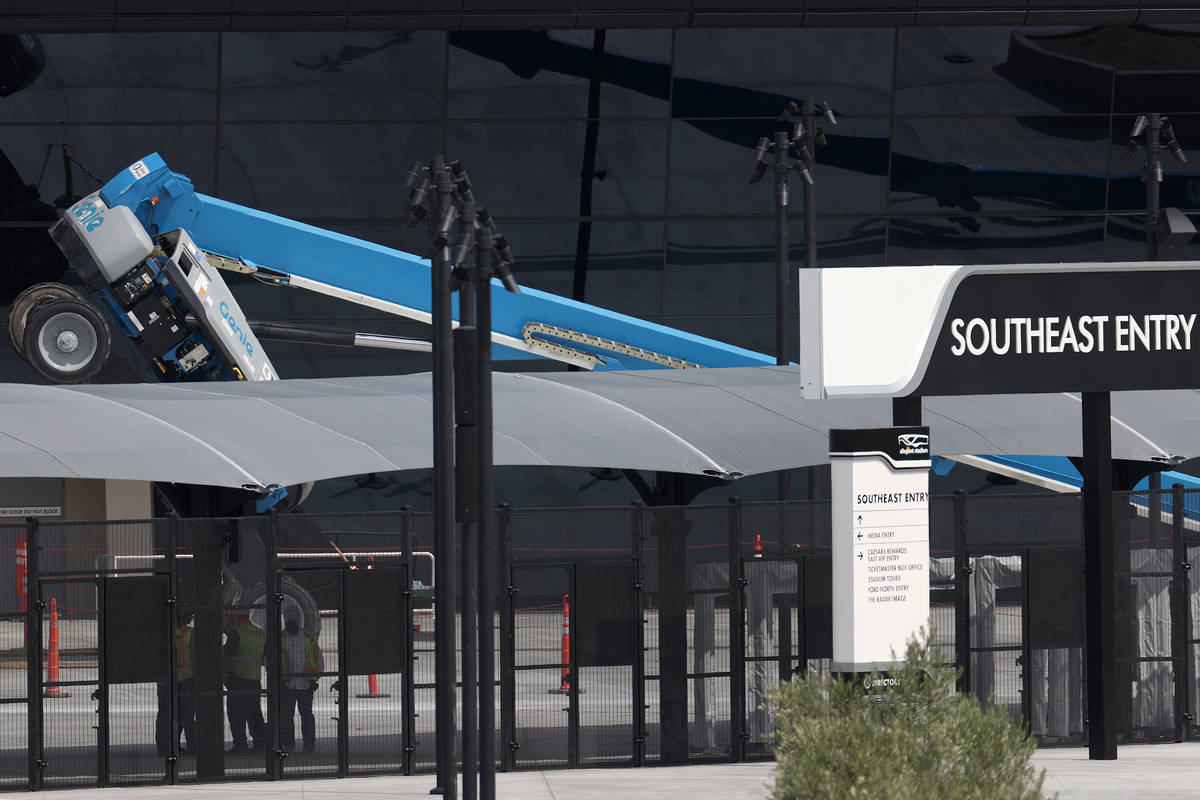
column 373, row 688
column 564, row 686
column 52, row 672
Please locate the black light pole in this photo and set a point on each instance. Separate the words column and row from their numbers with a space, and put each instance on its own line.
column 472, row 255
column 466, row 447
column 802, row 139
column 1158, row 133
column 423, row 208
column 813, row 135
column 487, row 242
column 1153, row 177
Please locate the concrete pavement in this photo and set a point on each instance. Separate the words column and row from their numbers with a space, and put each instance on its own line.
column 709, row 782
column 1145, row 772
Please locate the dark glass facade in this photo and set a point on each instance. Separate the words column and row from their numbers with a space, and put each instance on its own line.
column 954, row 145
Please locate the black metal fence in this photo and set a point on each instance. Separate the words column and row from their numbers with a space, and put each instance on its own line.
column 628, row 635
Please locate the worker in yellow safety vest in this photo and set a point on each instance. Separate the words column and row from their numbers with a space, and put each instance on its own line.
column 244, row 646
column 301, row 663
column 185, row 687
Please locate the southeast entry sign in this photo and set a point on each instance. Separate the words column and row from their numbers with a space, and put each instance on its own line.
column 880, row 543
column 1000, row 329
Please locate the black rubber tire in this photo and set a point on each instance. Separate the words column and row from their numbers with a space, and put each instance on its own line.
column 293, row 593
column 60, row 322
column 24, row 304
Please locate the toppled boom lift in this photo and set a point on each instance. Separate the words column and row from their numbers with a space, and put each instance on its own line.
column 149, row 248
column 162, row 293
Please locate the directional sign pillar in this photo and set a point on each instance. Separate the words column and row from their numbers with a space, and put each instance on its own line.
column 880, row 487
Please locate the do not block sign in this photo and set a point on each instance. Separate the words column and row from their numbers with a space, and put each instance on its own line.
column 880, row 500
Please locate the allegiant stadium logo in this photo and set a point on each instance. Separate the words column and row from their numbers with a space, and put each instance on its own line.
column 913, row 444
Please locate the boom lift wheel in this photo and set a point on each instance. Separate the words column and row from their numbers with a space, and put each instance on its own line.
column 66, row 341
column 23, row 306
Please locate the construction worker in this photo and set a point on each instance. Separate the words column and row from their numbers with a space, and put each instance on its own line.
column 185, row 672
column 244, row 646
column 301, row 664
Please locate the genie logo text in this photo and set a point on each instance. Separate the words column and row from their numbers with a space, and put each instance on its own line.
column 89, row 215
column 238, row 332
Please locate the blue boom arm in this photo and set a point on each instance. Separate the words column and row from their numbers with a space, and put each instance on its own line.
column 525, row 325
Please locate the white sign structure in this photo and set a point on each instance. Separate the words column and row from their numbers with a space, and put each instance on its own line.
column 999, row 329
column 880, row 544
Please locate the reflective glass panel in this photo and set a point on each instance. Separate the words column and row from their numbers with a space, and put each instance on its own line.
column 323, row 171
column 754, row 72
column 1000, row 163
column 999, row 70
column 728, row 266
column 517, row 74
column 1158, row 69
column 120, row 77
column 344, row 75
column 993, row 240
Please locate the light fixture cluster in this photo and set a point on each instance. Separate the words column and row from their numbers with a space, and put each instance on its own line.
column 462, row 226
column 804, row 129
column 1166, row 138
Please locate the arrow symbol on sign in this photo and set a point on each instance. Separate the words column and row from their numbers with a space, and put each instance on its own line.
column 860, row 519
column 860, row 536
column 860, row 556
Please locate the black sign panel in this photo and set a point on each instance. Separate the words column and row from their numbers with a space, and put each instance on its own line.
column 900, row 444
column 1055, row 610
column 137, row 629
column 606, row 615
column 817, row 593
column 1068, row 331
column 375, row 621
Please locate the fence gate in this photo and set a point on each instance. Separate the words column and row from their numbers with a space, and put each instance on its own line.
column 542, row 698
column 575, row 692
column 362, row 704
column 378, row 630
column 1053, row 661
column 325, row 621
column 997, row 608
column 106, row 644
column 772, row 600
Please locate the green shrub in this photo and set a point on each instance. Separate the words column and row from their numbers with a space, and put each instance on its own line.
column 915, row 740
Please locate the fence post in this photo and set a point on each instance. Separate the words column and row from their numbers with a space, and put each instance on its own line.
column 102, row 728
column 33, row 654
column 343, row 680
column 273, row 753
column 962, row 593
column 1180, row 617
column 639, row 662
column 175, row 636
column 408, row 689
column 508, row 672
column 737, row 636
column 573, row 668
column 1026, row 644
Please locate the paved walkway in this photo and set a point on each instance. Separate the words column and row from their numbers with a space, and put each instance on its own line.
column 1145, row 772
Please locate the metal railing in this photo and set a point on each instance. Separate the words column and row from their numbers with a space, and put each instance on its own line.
column 679, row 623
